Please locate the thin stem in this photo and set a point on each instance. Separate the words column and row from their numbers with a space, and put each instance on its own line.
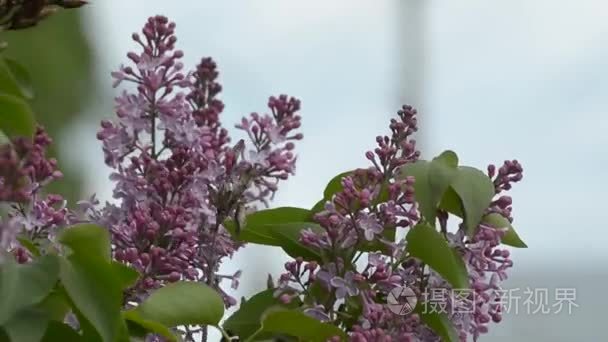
column 153, row 134
column 210, row 279
column 225, row 334
column 423, row 280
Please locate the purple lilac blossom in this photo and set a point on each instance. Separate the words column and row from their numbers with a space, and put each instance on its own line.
column 176, row 176
column 376, row 201
column 24, row 172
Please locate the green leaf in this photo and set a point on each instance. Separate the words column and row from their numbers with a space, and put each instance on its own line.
column 8, row 84
column 441, row 325
column 128, row 276
column 297, row 324
column 442, row 171
column 27, row 325
column 247, row 320
column 476, row 191
column 16, row 117
column 57, row 331
column 90, row 280
column 29, row 245
column 288, row 236
column 24, row 285
column 14, row 79
column 87, row 239
column 510, row 238
column 96, row 292
column 257, row 229
column 89, row 332
column 319, row 206
column 335, row 185
column 452, row 203
column 431, row 181
column 183, row 303
column 422, row 188
column 133, row 317
column 251, row 236
column 332, row 187
column 428, row 245
column 55, row 305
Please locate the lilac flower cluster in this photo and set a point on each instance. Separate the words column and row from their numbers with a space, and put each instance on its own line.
column 176, row 176
column 31, row 215
column 371, row 206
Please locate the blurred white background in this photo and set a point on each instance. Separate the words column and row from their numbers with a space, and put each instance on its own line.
column 494, row 80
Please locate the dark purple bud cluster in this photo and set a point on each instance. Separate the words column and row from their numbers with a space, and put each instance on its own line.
column 24, row 171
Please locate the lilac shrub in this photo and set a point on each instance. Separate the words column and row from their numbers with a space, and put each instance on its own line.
column 361, row 219
column 187, row 198
column 175, row 173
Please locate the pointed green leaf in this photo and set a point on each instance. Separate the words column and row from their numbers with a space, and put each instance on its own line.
column 422, row 188
column 442, row 171
column 29, row 245
column 510, row 238
column 90, row 280
column 55, row 305
column 441, row 325
column 297, row 324
column 183, row 303
column 128, row 276
column 452, row 203
column 96, row 292
column 27, row 325
column 288, row 237
column 248, row 318
column 431, row 181
column 14, row 79
column 24, row 285
column 335, row 185
column 16, row 117
column 87, row 239
column 146, row 326
column 476, row 191
column 251, row 236
column 332, row 187
column 319, row 206
column 428, row 245
column 257, row 225
column 57, row 331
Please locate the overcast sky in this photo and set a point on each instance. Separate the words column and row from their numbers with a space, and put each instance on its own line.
column 525, row 79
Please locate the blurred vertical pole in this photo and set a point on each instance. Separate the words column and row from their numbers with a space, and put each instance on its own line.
column 412, row 43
